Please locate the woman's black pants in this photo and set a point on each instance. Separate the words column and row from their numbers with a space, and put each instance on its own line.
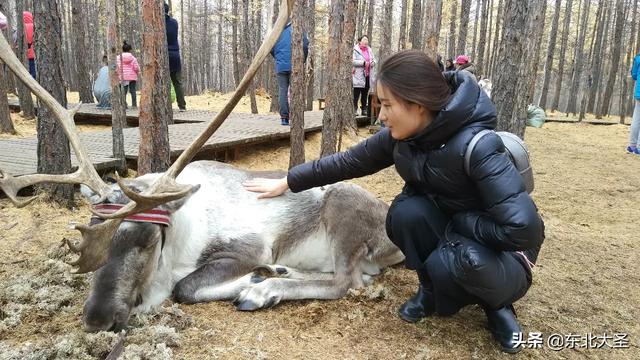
column 361, row 94
column 460, row 271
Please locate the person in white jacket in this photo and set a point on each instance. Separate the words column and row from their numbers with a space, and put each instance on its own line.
column 102, row 86
column 363, row 73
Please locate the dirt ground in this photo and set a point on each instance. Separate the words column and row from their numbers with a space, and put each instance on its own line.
column 587, row 281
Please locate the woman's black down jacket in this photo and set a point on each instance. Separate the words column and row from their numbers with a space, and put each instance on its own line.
column 490, row 206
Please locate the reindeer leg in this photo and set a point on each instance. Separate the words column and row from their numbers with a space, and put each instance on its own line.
column 350, row 233
column 221, row 279
column 292, row 284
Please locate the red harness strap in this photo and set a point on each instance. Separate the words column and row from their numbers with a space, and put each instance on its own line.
column 155, row 216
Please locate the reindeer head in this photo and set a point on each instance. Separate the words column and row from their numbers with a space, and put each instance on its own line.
column 132, row 257
column 105, row 241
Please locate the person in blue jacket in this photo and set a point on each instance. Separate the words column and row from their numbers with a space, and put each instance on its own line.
column 472, row 237
column 175, row 65
column 634, row 141
column 281, row 52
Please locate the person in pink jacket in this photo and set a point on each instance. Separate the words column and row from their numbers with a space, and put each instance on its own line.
column 128, row 70
column 3, row 21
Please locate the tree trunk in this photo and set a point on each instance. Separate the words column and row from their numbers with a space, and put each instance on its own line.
column 9, row 76
column 332, row 116
column 603, row 65
column 361, row 13
column 615, row 60
column 54, row 155
column 273, row 85
column 530, row 60
column 346, row 65
column 563, row 50
column 497, row 37
column 480, row 60
column 508, row 65
column 433, row 21
column 182, row 41
column 220, row 48
column 155, row 104
column 24, row 94
column 474, row 45
column 461, row 45
column 370, row 12
column 415, row 36
column 247, row 54
column 548, row 65
column 402, row 38
column 68, row 68
column 205, row 61
column 629, row 99
column 186, row 52
column 485, row 62
column 234, row 43
column 296, row 111
column 81, row 54
column 257, row 16
column 452, row 30
column 576, row 79
column 6, row 125
column 339, row 98
column 311, row 61
column 385, row 44
column 118, row 114
column 597, row 58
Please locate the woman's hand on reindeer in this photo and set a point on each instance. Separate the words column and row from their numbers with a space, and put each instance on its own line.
column 267, row 188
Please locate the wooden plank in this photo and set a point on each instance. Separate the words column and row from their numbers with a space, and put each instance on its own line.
column 575, row 121
column 238, row 131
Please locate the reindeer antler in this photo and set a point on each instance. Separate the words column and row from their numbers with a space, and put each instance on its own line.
column 86, row 173
column 96, row 239
column 165, row 188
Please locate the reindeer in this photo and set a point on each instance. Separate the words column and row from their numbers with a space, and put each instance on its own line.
column 194, row 233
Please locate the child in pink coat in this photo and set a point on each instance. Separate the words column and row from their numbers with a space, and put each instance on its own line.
column 128, row 70
column 3, row 21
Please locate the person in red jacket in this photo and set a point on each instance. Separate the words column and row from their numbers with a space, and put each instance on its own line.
column 128, row 70
column 27, row 18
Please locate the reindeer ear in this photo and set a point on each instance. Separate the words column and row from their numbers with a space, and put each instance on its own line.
column 173, row 206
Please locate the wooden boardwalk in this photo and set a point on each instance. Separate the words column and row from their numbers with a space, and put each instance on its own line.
column 19, row 156
column 585, row 121
column 90, row 114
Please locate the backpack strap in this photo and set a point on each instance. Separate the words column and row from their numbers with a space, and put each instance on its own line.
column 472, row 145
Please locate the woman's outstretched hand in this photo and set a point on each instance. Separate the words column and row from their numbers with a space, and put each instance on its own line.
column 267, row 188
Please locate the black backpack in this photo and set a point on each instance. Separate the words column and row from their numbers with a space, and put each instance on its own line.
column 517, row 150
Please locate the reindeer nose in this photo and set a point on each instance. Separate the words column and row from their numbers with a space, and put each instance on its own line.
column 93, row 323
column 99, row 316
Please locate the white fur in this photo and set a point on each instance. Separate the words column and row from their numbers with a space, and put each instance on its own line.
column 311, row 253
column 226, row 291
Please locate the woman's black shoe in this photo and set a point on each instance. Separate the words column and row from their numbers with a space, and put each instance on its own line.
column 503, row 325
column 418, row 306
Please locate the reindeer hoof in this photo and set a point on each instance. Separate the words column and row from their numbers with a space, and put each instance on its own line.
column 246, row 305
column 264, row 271
column 268, row 271
column 259, row 296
